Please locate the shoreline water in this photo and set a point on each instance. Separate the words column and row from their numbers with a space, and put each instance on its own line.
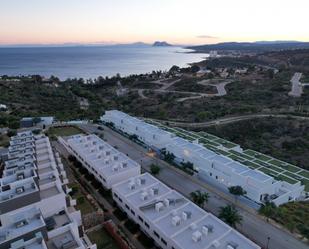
column 92, row 61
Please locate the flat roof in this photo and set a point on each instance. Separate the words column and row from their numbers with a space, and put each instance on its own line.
column 176, row 217
column 256, row 175
column 21, row 223
column 100, row 155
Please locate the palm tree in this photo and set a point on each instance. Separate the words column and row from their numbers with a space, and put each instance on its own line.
column 230, row 215
column 237, row 191
column 199, row 198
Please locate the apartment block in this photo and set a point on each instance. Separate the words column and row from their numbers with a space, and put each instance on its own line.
column 108, row 165
column 211, row 164
column 35, row 208
column 173, row 221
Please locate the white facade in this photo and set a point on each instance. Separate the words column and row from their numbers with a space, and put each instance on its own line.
column 149, row 134
column 34, row 181
column 3, row 107
column 173, row 221
column 209, row 164
column 108, row 165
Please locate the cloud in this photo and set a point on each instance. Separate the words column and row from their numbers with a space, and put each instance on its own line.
column 207, row 37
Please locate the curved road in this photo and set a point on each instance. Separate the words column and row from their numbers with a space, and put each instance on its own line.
column 195, row 95
column 228, row 120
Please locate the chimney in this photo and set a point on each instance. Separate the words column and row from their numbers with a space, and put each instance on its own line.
column 176, row 220
column 144, row 196
column 159, row 206
column 196, row 236
column 166, row 202
column 205, row 230
column 138, row 181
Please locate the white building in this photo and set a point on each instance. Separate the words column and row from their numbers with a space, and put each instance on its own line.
column 210, row 165
column 33, row 181
column 173, row 221
column 108, row 165
column 3, row 107
column 147, row 133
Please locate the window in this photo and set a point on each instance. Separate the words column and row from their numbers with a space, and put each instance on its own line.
column 120, row 200
column 115, row 195
column 132, row 212
column 164, row 242
column 127, row 207
column 147, row 225
column 216, row 177
column 210, row 174
column 156, row 234
column 140, row 218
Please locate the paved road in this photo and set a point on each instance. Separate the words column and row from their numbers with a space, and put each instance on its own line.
column 195, row 95
column 297, row 87
column 228, row 120
column 220, row 86
column 253, row 226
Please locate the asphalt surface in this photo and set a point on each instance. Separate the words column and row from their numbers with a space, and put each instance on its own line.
column 228, row 120
column 297, row 87
column 253, row 226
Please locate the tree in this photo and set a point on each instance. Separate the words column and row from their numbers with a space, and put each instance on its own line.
column 268, row 210
column 230, row 215
column 199, row 198
column 11, row 133
column 237, row 191
column 133, row 137
column 155, row 169
column 174, row 69
column 195, row 69
column 169, row 157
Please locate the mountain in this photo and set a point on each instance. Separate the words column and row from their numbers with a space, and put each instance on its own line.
column 252, row 46
column 276, row 42
column 161, row 44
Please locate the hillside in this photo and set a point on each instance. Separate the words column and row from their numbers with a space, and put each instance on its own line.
column 250, row 46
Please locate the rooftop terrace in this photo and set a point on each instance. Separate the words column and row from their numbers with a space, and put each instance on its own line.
column 254, row 160
column 176, row 217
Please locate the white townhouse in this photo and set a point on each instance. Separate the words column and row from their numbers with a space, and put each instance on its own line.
column 149, row 134
column 210, row 165
column 173, row 221
column 33, row 181
column 108, row 165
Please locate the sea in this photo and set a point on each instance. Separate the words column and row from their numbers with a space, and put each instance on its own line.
column 92, row 61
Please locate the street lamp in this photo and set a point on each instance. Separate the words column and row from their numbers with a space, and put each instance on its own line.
column 268, row 239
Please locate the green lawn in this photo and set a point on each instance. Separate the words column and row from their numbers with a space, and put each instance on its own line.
column 102, row 239
column 252, row 165
column 82, row 203
column 64, row 131
column 304, row 173
column 306, row 183
column 268, row 171
column 287, row 179
column 293, row 169
column 250, row 153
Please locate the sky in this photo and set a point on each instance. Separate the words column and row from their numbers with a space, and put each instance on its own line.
column 175, row 21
